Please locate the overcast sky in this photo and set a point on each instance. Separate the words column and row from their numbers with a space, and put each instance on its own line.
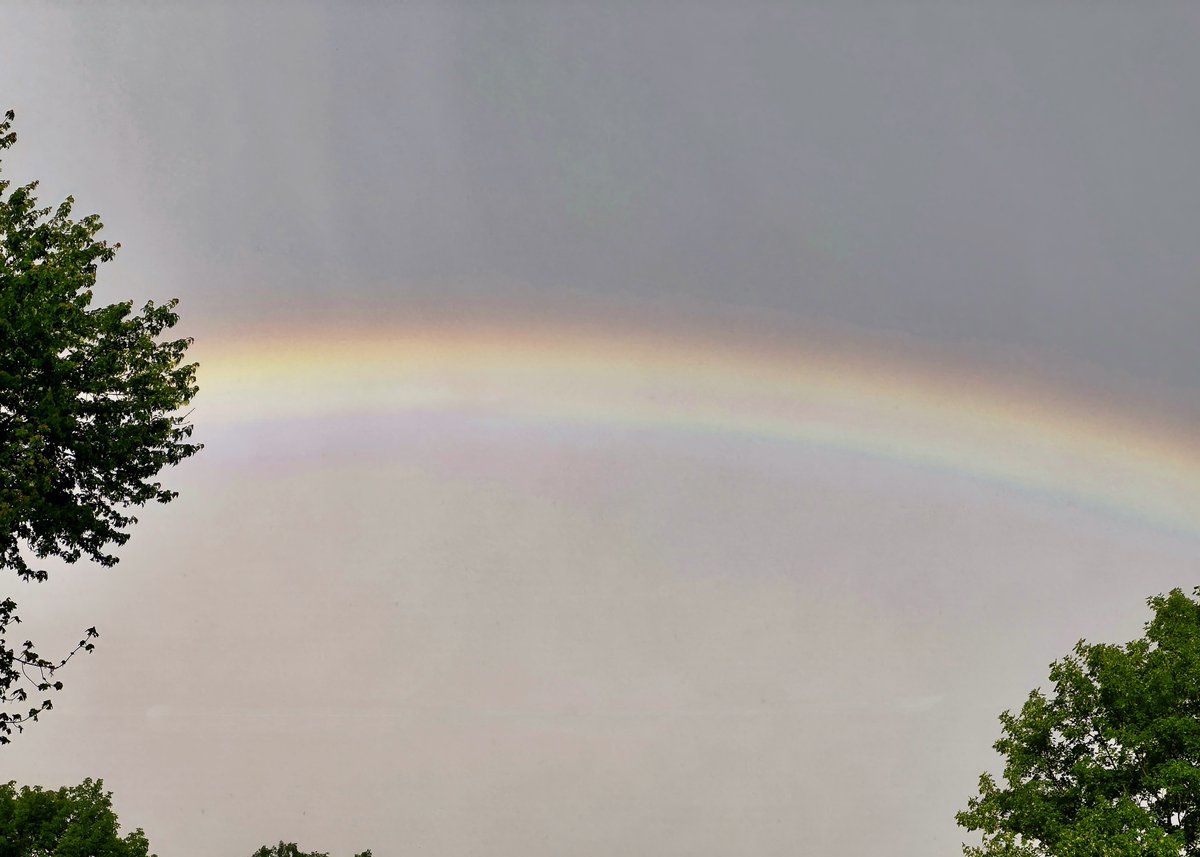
column 353, row 632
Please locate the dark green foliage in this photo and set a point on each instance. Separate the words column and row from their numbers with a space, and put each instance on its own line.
column 69, row 822
column 290, row 849
column 1107, row 763
column 89, row 402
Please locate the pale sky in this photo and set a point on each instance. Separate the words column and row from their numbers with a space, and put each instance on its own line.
column 607, row 589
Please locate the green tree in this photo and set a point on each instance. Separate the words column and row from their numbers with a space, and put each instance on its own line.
column 69, row 822
column 1107, row 764
column 290, row 849
column 89, row 413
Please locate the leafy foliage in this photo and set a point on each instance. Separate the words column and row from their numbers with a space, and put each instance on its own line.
column 70, row 822
column 290, row 849
column 89, row 402
column 1108, row 763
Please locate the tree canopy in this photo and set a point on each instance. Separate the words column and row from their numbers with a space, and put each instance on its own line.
column 290, row 849
column 89, row 411
column 77, row 821
column 1108, row 761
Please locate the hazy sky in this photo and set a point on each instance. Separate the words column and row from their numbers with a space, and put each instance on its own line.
column 474, row 635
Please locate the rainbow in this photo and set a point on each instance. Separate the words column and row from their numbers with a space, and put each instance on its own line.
column 925, row 410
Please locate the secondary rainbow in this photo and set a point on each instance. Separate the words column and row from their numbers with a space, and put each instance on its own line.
column 924, row 409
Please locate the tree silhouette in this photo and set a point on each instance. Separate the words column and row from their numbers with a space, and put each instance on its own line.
column 290, row 849
column 89, row 402
column 1107, row 762
column 69, row 822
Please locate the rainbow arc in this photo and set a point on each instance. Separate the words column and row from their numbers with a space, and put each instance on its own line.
column 841, row 395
